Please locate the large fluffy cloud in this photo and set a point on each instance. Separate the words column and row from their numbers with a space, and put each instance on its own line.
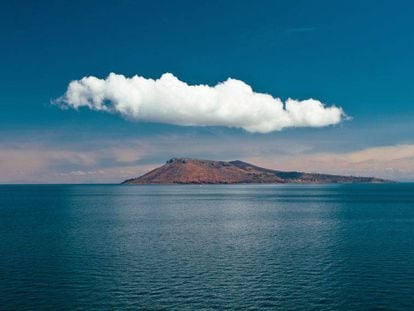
column 231, row 103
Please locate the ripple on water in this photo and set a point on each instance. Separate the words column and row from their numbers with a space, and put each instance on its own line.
column 323, row 247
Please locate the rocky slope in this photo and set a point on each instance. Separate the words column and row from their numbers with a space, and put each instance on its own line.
column 194, row 171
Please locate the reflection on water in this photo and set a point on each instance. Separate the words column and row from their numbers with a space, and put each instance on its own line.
column 188, row 247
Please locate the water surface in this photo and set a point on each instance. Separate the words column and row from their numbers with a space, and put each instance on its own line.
column 323, row 247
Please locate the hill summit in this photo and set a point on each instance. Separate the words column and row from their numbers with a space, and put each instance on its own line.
column 196, row 171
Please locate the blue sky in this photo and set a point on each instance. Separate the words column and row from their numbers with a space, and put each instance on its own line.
column 356, row 55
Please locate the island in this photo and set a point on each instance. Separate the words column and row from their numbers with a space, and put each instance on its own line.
column 196, row 171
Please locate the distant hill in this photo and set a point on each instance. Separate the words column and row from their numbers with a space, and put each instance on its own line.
column 195, row 171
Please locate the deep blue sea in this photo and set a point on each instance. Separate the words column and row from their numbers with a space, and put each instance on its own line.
column 215, row 247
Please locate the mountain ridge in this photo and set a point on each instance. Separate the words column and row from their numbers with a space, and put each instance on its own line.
column 200, row 171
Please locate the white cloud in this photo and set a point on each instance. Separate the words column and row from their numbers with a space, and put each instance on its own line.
column 231, row 103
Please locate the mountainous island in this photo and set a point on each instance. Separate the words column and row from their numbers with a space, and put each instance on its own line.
column 195, row 171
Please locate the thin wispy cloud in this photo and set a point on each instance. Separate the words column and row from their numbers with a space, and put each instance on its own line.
column 392, row 162
column 114, row 161
column 231, row 103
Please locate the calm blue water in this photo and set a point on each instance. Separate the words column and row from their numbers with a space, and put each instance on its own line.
column 323, row 247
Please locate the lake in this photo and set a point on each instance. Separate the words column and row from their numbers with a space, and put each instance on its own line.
column 301, row 247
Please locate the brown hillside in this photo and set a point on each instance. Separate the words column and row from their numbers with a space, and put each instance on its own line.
column 194, row 171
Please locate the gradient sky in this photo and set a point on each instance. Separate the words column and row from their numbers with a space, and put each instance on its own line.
column 354, row 54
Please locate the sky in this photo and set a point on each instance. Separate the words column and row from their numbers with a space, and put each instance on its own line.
column 102, row 91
